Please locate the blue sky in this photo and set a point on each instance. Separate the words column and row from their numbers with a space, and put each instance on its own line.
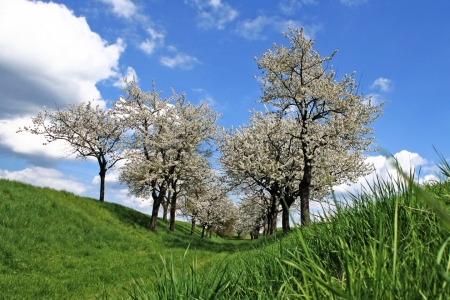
column 60, row 52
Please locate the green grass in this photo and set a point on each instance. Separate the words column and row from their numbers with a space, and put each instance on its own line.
column 392, row 242
column 56, row 245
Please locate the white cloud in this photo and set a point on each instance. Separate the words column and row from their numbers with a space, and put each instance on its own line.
column 213, row 13
column 44, row 177
column 383, row 84
column 289, row 7
column 122, row 8
column 377, row 99
column 139, row 204
column 253, row 29
column 30, row 146
column 205, row 97
column 428, row 179
column 112, row 176
column 385, row 170
column 257, row 28
column 155, row 41
column 180, row 60
column 129, row 75
column 48, row 57
column 353, row 2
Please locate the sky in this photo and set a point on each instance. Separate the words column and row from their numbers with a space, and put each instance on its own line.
column 53, row 53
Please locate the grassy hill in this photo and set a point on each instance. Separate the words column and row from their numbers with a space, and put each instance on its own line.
column 54, row 244
column 391, row 243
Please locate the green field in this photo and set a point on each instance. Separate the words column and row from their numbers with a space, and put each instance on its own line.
column 388, row 244
column 54, row 244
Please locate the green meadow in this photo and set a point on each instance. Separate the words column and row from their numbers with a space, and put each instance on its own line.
column 56, row 245
column 391, row 242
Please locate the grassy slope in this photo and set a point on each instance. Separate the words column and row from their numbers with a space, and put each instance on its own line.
column 388, row 244
column 57, row 245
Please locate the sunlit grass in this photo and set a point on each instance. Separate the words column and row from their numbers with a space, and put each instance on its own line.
column 389, row 242
column 56, row 245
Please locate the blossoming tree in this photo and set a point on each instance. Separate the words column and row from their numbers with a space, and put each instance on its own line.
column 331, row 118
column 89, row 131
column 167, row 136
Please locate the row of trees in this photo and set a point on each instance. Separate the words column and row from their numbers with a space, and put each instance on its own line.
column 314, row 134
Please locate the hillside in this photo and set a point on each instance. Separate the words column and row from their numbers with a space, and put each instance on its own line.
column 391, row 243
column 54, row 244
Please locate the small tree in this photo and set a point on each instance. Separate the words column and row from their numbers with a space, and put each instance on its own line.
column 251, row 215
column 332, row 119
column 89, row 131
column 195, row 189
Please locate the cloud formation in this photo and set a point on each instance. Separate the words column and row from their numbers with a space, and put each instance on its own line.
column 213, row 13
column 289, row 7
column 256, row 29
column 383, row 84
column 122, row 8
column 385, row 170
column 353, row 2
column 180, row 60
column 205, row 97
column 129, row 75
column 44, row 177
column 155, row 41
column 48, row 57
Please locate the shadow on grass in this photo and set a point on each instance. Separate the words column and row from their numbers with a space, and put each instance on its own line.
column 127, row 215
column 181, row 238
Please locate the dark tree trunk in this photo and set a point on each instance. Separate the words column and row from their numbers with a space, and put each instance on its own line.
column 304, row 189
column 102, row 185
column 285, row 218
column 165, row 211
column 173, row 209
column 102, row 163
column 255, row 234
column 272, row 216
column 203, row 231
column 192, row 226
column 157, row 199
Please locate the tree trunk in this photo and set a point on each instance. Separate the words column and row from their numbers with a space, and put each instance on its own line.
column 285, row 218
column 272, row 216
column 173, row 209
column 102, row 175
column 274, row 223
column 157, row 199
column 165, row 211
column 203, row 231
column 192, row 226
column 304, row 189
